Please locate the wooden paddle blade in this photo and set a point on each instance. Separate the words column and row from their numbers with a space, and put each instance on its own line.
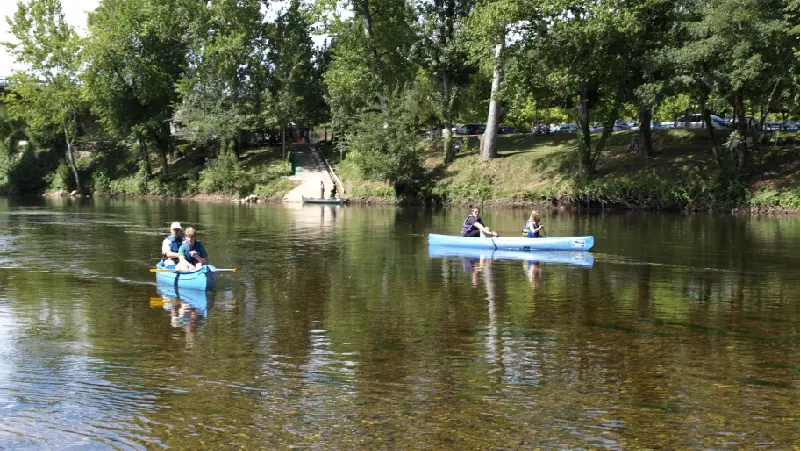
column 163, row 270
column 156, row 302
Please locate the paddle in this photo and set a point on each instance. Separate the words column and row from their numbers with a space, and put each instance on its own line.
column 180, row 270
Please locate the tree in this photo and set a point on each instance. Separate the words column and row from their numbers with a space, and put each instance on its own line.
column 369, row 57
column 137, row 52
column 444, row 57
column 46, row 94
column 490, row 25
column 295, row 94
column 744, row 51
column 222, row 86
column 587, row 54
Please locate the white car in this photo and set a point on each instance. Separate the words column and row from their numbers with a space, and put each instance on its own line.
column 697, row 121
column 568, row 128
column 789, row 126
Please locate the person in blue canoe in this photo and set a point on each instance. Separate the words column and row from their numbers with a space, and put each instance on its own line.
column 192, row 254
column 171, row 244
column 533, row 227
column 473, row 227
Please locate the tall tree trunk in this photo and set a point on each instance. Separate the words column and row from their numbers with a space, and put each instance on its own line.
column 489, row 143
column 71, row 158
column 374, row 63
column 448, row 125
column 283, row 142
column 742, row 129
column 143, row 155
column 609, row 126
column 163, row 146
column 710, row 129
column 644, row 115
column 583, row 131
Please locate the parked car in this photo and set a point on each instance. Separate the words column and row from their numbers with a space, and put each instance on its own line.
column 432, row 133
column 697, row 121
column 568, row 127
column 475, row 129
column 504, row 130
column 790, row 126
column 459, row 130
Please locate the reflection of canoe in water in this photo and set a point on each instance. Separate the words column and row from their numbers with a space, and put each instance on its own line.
column 566, row 243
column 195, row 298
column 317, row 200
column 563, row 257
column 203, row 279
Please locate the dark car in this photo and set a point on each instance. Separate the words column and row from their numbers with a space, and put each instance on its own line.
column 475, row 129
column 504, row 130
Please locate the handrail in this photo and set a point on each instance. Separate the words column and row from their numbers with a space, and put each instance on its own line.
column 330, row 169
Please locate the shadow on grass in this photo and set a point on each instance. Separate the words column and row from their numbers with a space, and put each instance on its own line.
column 263, row 156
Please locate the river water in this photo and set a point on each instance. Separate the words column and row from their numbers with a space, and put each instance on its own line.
column 339, row 331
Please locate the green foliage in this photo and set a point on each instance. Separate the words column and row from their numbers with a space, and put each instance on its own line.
column 697, row 193
column 220, row 89
column 58, row 180
column 474, row 184
column 295, row 92
column 276, row 187
column 385, row 149
column 225, row 175
column 770, row 198
column 46, row 95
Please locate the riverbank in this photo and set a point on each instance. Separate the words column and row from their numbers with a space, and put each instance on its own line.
column 530, row 171
column 539, row 171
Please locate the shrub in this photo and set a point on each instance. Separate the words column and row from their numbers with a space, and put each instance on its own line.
column 225, row 175
column 58, row 180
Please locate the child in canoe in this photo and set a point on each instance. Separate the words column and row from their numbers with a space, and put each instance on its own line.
column 533, row 227
column 192, row 254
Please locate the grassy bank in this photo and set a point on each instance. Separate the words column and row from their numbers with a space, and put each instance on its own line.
column 529, row 170
column 117, row 171
column 537, row 170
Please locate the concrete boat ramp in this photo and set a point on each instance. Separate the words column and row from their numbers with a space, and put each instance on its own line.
column 311, row 169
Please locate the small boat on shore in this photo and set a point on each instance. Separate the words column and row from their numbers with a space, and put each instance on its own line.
column 582, row 243
column 576, row 258
column 202, row 279
column 317, row 200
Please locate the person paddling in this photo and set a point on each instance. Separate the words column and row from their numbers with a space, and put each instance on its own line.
column 533, row 227
column 192, row 253
column 171, row 244
column 474, row 227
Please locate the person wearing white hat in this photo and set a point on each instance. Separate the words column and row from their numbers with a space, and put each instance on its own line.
column 171, row 244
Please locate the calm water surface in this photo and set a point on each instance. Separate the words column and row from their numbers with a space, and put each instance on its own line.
column 340, row 331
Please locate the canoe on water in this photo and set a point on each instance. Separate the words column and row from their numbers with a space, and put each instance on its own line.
column 317, row 200
column 564, row 243
column 203, row 279
column 560, row 257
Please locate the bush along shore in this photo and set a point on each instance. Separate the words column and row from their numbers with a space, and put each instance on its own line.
column 253, row 175
column 529, row 171
column 541, row 171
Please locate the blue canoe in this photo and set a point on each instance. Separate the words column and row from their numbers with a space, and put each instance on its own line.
column 195, row 298
column 581, row 243
column 203, row 279
column 560, row 257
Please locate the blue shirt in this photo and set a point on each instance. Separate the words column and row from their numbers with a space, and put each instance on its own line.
column 198, row 247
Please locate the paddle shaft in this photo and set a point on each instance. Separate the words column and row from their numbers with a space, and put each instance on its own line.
column 178, row 270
